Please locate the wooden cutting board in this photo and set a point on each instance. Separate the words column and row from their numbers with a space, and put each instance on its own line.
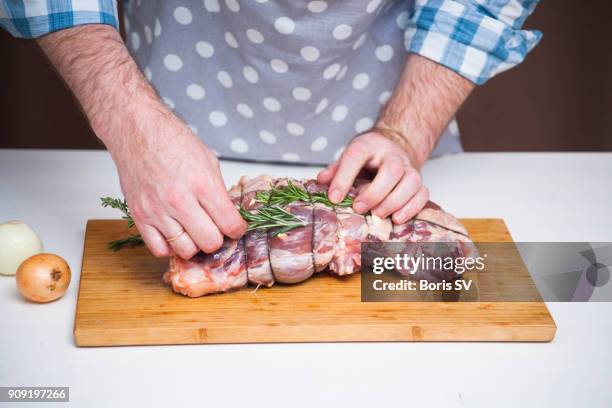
column 123, row 301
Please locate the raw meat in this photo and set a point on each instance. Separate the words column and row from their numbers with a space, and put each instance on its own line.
column 256, row 242
column 325, row 234
column 329, row 240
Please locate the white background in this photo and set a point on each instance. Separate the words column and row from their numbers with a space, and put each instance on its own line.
column 542, row 197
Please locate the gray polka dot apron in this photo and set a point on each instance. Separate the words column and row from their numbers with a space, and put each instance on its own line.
column 281, row 81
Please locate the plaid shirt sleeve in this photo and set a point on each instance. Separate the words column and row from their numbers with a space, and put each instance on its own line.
column 34, row 18
column 475, row 38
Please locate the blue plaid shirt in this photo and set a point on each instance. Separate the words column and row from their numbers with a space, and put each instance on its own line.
column 475, row 38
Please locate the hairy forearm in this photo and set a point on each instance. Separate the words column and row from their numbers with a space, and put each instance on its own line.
column 424, row 101
column 113, row 93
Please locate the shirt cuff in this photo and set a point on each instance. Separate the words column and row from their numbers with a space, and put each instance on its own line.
column 35, row 18
column 475, row 38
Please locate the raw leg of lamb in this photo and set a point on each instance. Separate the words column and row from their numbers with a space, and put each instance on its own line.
column 328, row 239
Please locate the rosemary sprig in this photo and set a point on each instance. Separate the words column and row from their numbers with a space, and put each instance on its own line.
column 131, row 241
column 290, row 193
column 273, row 218
column 121, row 205
column 270, row 217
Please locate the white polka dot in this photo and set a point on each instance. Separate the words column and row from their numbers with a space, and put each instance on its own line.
column 232, row 5
column 148, row 34
column 384, row 53
column 338, row 153
column 148, row 73
column 284, row 25
column 372, row 6
column 384, row 97
column 169, row 102
column 212, row 6
column 361, row 81
column 342, row 32
column 261, row 1
column 317, row 6
column 279, row 66
column 310, row 53
column 453, row 127
column 157, row 30
column 339, row 113
column 239, row 145
column 135, row 41
column 319, row 144
column 321, row 106
column 225, row 79
column 182, row 15
column 360, row 41
column 290, row 157
column 342, row 73
column 204, row 49
column 386, row 8
column 231, row 40
column 193, row 129
column 126, row 22
column 295, row 129
column 196, row 92
column 301, row 93
column 245, row 110
column 255, row 36
column 217, row 118
column 331, row 71
column 173, row 62
column 363, row 124
column 271, row 104
column 267, row 137
column 250, row 74
column 402, row 20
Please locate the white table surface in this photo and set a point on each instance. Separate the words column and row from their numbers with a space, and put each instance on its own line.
column 542, row 197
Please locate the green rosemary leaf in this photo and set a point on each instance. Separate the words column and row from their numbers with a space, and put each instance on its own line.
column 270, row 217
column 131, row 241
column 290, row 193
column 120, row 205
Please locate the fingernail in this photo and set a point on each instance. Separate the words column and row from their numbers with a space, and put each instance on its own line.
column 335, row 196
column 360, row 207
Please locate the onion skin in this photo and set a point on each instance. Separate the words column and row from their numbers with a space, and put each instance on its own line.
column 43, row 277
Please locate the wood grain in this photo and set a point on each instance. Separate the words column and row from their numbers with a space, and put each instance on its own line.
column 123, row 301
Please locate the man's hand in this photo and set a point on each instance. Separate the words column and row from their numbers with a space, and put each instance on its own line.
column 396, row 189
column 171, row 181
column 424, row 101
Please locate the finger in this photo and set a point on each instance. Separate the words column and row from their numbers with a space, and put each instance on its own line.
column 408, row 186
column 200, row 227
column 350, row 163
column 223, row 212
column 326, row 175
column 389, row 174
column 155, row 241
column 181, row 243
column 412, row 208
column 361, row 185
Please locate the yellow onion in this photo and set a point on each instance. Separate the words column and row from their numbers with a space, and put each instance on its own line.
column 43, row 277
